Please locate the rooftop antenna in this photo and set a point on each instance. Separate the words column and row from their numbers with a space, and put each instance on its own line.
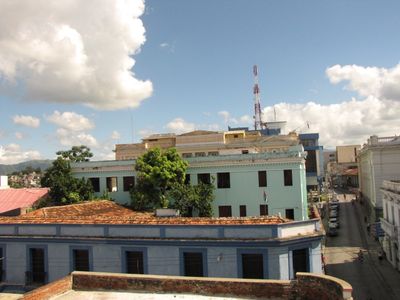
column 258, row 123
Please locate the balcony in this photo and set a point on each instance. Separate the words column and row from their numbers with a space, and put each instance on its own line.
column 391, row 185
column 389, row 229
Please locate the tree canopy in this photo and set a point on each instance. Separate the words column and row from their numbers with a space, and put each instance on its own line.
column 157, row 172
column 64, row 188
column 76, row 154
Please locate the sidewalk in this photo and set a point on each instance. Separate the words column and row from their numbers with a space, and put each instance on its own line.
column 382, row 267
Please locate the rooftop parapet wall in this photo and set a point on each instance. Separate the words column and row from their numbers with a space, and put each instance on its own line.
column 391, row 185
column 306, row 286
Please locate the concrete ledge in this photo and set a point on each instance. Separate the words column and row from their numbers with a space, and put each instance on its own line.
column 250, row 288
column 50, row 290
column 316, row 286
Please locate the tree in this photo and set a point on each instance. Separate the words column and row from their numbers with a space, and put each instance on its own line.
column 64, row 188
column 157, row 172
column 188, row 197
column 76, row 154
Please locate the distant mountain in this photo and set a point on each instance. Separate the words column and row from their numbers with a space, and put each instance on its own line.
column 8, row 169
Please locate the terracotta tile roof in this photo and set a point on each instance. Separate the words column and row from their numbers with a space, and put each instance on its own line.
column 107, row 212
column 18, row 198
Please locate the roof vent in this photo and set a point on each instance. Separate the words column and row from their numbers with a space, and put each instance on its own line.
column 167, row 212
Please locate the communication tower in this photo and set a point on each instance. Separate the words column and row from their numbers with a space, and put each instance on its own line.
column 258, row 123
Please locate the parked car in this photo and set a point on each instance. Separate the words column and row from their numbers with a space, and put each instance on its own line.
column 335, row 220
column 333, row 225
column 332, row 232
column 334, row 206
column 333, row 214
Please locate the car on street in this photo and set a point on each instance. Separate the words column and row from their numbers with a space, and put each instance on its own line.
column 333, row 225
column 333, row 214
column 335, row 220
column 332, row 232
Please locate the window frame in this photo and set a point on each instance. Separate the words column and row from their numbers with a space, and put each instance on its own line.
column 110, row 188
column 124, row 266
column 239, row 260
column 242, row 208
column 288, row 180
column 262, row 181
column 98, row 184
column 126, row 184
column 45, row 258
column 224, row 180
column 224, row 206
column 72, row 259
column 201, row 175
column 3, row 263
column 265, row 210
column 203, row 251
column 289, row 209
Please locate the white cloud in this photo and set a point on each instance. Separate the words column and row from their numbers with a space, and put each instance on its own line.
column 145, row 132
column 73, row 51
column 225, row 115
column 163, row 45
column 70, row 121
column 28, row 121
column 244, row 120
column 179, row 125
column 12, row 153
column 77, row 138
column 349, row 122
column 115, row 135
column 19, row 135
column 368, row 81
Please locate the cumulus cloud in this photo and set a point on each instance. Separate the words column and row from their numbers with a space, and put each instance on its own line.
column 70, row 121
column 78, row 138
column 73, row 51
column 349, row 122
column 368, row 81
column 19, row 135
column 12, row 153
column 244, row 120
column 28, row 121
column 115, row 135
column 179, row 125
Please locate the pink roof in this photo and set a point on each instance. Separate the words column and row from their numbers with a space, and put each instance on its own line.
column 18, row 198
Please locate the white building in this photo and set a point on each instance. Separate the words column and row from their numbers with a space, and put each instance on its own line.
column 379, row 160
column 391, row 221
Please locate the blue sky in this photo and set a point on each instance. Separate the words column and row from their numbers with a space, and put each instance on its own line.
column 66, row 78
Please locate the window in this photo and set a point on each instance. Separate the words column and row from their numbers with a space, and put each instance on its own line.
column 37, row 270
column 311, row 161
column 224, row 181
column 95, row 182
column 300, row 261
column 225, row 211
column 213, row 153
column 204, row 178
column 187, row 155
column 245, row 151
column 262, row 178
column 129, row 182
column 200, row 154
column 112, row 184
column 263, row 210
column 242, row 209
column 193, row 264
column 289, row 213
column 252, row 266
column 187, row 179
column 134, row 262
column 80, row 260
column 288, row 178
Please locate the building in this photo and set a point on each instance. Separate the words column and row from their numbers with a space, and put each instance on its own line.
column 209, row 143
column 16, row 201
column 390, row 222
column 329, row 157
column 92, row 285
column 253, row 184
column 379, row 160
column 314, row 161
column 101, row 236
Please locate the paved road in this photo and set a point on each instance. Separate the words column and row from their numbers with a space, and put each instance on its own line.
column 371, row 279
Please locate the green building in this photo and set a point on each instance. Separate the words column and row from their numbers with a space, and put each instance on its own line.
column 253, row 184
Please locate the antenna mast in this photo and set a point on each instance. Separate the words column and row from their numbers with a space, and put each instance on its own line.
column 258, row 123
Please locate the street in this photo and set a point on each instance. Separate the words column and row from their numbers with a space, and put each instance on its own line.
column 370, row 277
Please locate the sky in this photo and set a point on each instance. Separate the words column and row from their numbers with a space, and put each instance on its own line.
column 102, row 72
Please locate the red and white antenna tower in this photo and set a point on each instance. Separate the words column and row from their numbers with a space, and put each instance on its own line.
column 258, row 123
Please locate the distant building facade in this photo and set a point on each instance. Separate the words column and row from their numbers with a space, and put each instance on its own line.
column 314, row 161
column 253, row 184
column 390, row 222
column 379, row 160
column 49, row 243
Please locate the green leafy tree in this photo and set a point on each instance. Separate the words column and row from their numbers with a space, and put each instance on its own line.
column 157, row 172
column 64, row 188
column 193, row 197
column 76, row 154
